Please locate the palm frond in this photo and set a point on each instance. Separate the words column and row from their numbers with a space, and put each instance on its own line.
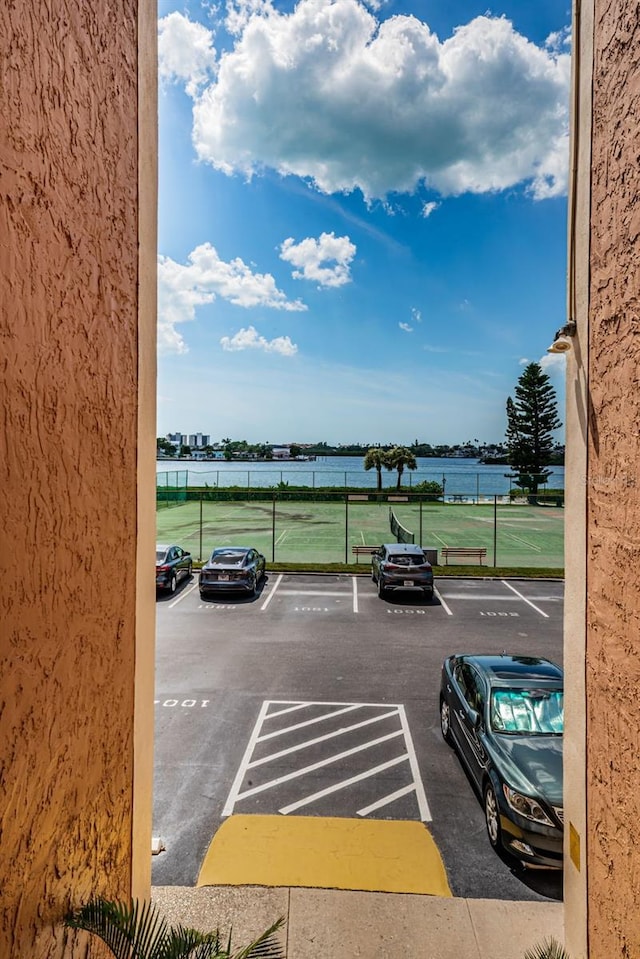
column 137, row 931
column 547, row 949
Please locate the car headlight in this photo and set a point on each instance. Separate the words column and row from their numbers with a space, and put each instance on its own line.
column 526, row 806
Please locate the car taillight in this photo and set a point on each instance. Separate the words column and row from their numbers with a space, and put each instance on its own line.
column 162, row 569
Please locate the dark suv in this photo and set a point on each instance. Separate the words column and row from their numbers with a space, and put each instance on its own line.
column 402, row 566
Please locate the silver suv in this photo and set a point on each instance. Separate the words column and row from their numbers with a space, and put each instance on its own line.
column 402, row 566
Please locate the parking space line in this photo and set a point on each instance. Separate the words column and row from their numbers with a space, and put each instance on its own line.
column 185, row 592
column 313, row 592
column 525, row 600
column 320, row 764
column 343, row 785
column 321, row 739
column 442, row 602
column 386, row 800
column 289, row 709
column 423, row 806
column 272, row 593
column 354, row 582
column 237, row 782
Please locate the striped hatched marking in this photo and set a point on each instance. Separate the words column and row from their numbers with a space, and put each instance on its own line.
column 270, row 744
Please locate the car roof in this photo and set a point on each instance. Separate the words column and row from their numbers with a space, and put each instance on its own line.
column 402, row 548
column 162, row 546
column 232, row 549
column 507, row 669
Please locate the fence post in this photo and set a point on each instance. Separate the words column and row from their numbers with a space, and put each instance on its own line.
column 273, row 529
column 346, row 528
column 420, row 521
column 495, row 529
column 200, row 551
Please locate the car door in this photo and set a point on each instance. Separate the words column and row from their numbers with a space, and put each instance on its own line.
column 468, row 718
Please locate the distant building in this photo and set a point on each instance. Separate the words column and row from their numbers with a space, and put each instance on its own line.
column 281, row 453
column 198, row 440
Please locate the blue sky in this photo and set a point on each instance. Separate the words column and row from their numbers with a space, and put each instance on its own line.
column 362, row 215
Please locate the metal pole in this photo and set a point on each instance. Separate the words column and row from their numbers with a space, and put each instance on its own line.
column 346, row 528
column 477, row 488
column 420, row 521
column 200, row 553
column 495, row 529
column 273, row 530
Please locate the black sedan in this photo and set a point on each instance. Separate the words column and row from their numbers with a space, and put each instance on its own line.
column 172, row 564
column 232, row 568
column 504, row 715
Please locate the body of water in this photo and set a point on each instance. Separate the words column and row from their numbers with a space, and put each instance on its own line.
column 461, row 477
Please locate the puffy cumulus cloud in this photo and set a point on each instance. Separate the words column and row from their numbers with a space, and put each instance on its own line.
column 250, row 339
column 554, row 362
column 184, row 287
column 185, row 52
column 416, row 315
column 240, row 12
column 330, row 93
column 406, row 327
column 326, row 260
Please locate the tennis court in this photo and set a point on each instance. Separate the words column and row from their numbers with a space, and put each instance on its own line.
column 310, row 531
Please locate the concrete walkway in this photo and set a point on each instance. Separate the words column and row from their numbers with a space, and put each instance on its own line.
column 366, row 925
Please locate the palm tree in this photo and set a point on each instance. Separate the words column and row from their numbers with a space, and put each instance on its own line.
column 137, row 929
column 398, row 458
column 376, row 458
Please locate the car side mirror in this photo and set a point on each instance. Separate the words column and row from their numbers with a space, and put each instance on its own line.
column 475, row 719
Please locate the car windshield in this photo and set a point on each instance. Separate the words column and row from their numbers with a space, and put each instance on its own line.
column 407, row 559
column 530, row 711
column 228, row 559
column 160, row 555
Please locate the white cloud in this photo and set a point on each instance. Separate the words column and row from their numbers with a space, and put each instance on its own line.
column 184, row 287
column 406, row 327
column 250, row 339
column 326, row 260
column 523, row 361
column 429, row 208
column 553, row 362
column 329, row 93
column 416, row 315
column 240, row 12
column 185, row 52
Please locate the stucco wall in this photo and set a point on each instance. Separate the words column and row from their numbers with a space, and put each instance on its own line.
column 68, row 460
column 613, row 552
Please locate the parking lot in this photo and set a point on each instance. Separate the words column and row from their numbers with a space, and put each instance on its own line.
column 317, row 698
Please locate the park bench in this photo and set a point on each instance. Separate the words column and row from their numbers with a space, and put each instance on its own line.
column 359, row 551
column 459, row 552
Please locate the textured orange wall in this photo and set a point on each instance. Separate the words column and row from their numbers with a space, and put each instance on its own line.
column 68, row 396
column 613, row 615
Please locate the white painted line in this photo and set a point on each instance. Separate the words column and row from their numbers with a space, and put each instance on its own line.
column 313, row 592
column 518, row 539
column 281, row 537
column 524, row 598
column 272, row 593
column 310, row 722
column 439, row 538
column 481, row 598
column 185, row 592
column 343, row 785
column 319, row 765
column 386, row 800
column 423, row 805
column 354, row 581
column 364, row 542
column 321, row 739
column 289, row 709
column 237, row 782
column 442, row 602
column 292, row 702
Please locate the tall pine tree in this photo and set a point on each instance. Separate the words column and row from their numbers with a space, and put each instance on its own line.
column 531, row 419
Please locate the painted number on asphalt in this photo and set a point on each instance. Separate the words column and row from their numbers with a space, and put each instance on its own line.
column 186, row 703
column 406, row 612
column 311, row 609
column 499, row 614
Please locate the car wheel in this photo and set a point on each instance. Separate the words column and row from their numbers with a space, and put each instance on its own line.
column 173, row 583
column 492, row 816
column 190, row 571
column 428, row 594
column 381, row 590
column 203, row 595
column 445, row 722
column 255, row 585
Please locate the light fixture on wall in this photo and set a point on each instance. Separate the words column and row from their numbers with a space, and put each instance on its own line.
column 563, row 340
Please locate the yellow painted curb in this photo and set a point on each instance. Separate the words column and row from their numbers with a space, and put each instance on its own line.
column 372, row 854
